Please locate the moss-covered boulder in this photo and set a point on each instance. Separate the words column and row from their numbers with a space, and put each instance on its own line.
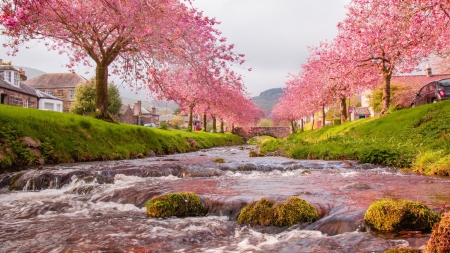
column 403, row 250
column 184, row 204
column 264, row 212
column 402, row 215
column 440, row 238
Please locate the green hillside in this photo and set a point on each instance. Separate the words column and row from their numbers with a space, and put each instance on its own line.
column 31, row 136
column 417, row 138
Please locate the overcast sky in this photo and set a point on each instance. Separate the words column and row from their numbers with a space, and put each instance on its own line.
column 273, row 34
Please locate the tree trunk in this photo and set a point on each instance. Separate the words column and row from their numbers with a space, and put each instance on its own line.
column 221, row 126
column 302, row 124
column 312, row 125
column 292, row 126
column 101, row 97
column 204, row 122
column 343, row 109
column 323, row 115
column 386, row 92
column 191, row 107
column 214, row 123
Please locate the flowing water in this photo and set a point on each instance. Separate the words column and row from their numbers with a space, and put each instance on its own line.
column 99, row 206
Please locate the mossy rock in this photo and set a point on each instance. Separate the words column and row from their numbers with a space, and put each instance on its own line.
column 440, row 238
column 186, row 204
column 264, row 212
column 403, row 250
column 402, row 215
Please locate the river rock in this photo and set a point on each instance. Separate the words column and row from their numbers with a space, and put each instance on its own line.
column 30, row 142
column 356, row 186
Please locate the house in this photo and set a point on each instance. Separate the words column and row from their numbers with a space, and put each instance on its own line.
column 143, row 116
column 167, row 118
column 360, row 113
column 60, row 85
column 125, row 115
column 411, row 85
column 14, row 92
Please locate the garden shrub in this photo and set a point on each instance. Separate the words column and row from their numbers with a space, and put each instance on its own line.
column 184, row 204
column 264, row 212
column 391, row 215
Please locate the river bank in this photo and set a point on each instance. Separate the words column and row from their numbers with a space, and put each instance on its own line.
column 416, row 139
column 35, row 137
column 99, row 206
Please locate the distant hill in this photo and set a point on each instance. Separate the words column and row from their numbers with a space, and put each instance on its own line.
column 267, row 99
column 30, row 72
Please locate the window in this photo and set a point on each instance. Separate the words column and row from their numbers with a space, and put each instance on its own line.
column 60, row 92
column 49, row 92
column 71, row 95
column 25, row 103
column 48, row 106
column 8, row 76
column 16, row 78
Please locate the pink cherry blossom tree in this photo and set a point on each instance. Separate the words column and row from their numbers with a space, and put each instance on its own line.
column 134, row 39
column 380, row 33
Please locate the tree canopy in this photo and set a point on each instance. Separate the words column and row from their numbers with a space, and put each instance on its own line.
column 144, row 42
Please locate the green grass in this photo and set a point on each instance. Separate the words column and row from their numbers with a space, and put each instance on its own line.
column 72, row 138
column 416, row 138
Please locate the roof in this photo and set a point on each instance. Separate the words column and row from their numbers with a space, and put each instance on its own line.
column 23, row 88
column 124, row 109
column 41, row 94
column 362, row 111
column 418, row 80
column 56, row 80
column 7, row 67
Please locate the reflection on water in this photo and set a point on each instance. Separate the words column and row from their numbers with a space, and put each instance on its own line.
column 99, row 207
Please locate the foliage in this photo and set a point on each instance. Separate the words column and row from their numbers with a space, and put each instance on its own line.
column 264, row 212
column 163, row 126
column 183, row 204
column 390, row 215
column 219, row 160
column 177, row 121
column 84, row 102
column 72, row 138
column 440, row 237
column 265, row 123
column 403, row 250
column 401, row 97
column 416, row 138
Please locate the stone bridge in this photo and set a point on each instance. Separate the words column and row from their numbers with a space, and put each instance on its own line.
column 277, row 132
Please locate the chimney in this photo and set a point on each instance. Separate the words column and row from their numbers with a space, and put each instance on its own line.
column 1, row 61
column 153, row 109
column 23, row 77
column 137, row 108
column 428, row 71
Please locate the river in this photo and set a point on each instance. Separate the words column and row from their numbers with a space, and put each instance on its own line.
column 99, row 206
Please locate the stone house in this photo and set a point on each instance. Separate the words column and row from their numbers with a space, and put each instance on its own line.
column 60, row 85
column 16, row 93
column 137, row 115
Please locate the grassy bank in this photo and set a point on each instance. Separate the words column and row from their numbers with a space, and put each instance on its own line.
column 30, row 136
column 416, row 138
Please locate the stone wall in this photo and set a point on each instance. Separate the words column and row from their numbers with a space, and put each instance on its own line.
column 18, row 99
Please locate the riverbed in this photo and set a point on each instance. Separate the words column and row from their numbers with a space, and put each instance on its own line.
column 99, row 206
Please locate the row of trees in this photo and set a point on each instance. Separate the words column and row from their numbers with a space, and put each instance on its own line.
column 165, row 47
column 377, row 39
